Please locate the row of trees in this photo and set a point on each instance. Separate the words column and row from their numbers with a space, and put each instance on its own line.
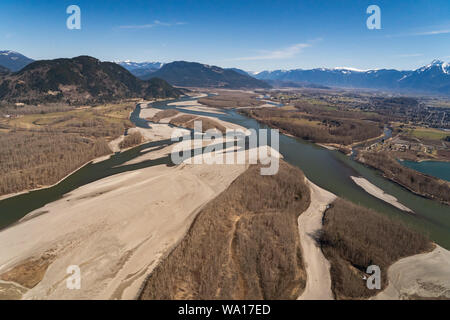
column 422, row 184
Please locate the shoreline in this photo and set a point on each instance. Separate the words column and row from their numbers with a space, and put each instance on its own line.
column 95, row 160
column 425, row 196
column 424, row 160
column 125, row 224
column 318, row 279
column 373, row 190
column 12, row 195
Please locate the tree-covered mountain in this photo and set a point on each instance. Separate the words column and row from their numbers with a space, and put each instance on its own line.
column 4, row 70
column 13, row 61
column 192, row 74
column 240, row 71
column 77, row 81
column 434, row 77
column 140, row 69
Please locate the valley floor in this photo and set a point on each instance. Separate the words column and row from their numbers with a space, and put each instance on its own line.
column 118, row 229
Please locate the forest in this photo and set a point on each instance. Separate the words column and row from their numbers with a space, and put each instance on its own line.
column 40, row 149
column 316, row 126
column 354, row 237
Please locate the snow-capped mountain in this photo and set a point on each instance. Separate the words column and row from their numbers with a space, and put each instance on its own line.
column 140, row 69
column 341, row 77
column 434, row 77
column 436, row 66
column 13, row 61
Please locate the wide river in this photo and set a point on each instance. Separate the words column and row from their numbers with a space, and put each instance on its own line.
column 329, row 169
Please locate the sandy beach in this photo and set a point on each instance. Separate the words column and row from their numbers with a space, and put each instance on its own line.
column 266, row 105
column 380, row 194
column 115, row 229
column 318, row 281
column 194, row 105
column 327, row 146
column 162, row 125
column 424, row 275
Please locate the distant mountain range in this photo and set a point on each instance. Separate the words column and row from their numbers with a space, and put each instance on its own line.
column 192, row 74
column 140, row 69
column 13, row 61
column 77, row 81
column 434, row 77
column 295, row 84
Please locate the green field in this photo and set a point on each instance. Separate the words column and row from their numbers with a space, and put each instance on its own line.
column 428, row 133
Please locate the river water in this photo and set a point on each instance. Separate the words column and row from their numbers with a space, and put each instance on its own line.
column 329, row 169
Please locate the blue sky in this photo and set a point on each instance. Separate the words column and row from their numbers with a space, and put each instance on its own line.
column 253, row 35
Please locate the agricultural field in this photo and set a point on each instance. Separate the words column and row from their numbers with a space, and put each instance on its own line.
column 428, row 133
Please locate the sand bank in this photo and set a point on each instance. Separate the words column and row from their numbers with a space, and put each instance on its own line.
column 424, row 275
column 380, row 194
column 318, row 280
column 202, row 109
column 115, row 229
column 266, row 105
column 323, row 145
column 149, row 112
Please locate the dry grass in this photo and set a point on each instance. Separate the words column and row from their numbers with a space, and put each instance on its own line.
column 188, row 122
column 243, row 245
column 183, row 119
column 231, row 100
column 164, row 114
column 30, row 272
column 131, row 140
column 354, row 238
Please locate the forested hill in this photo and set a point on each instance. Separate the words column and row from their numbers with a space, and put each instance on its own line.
column 78, row 81
column 192, row 74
